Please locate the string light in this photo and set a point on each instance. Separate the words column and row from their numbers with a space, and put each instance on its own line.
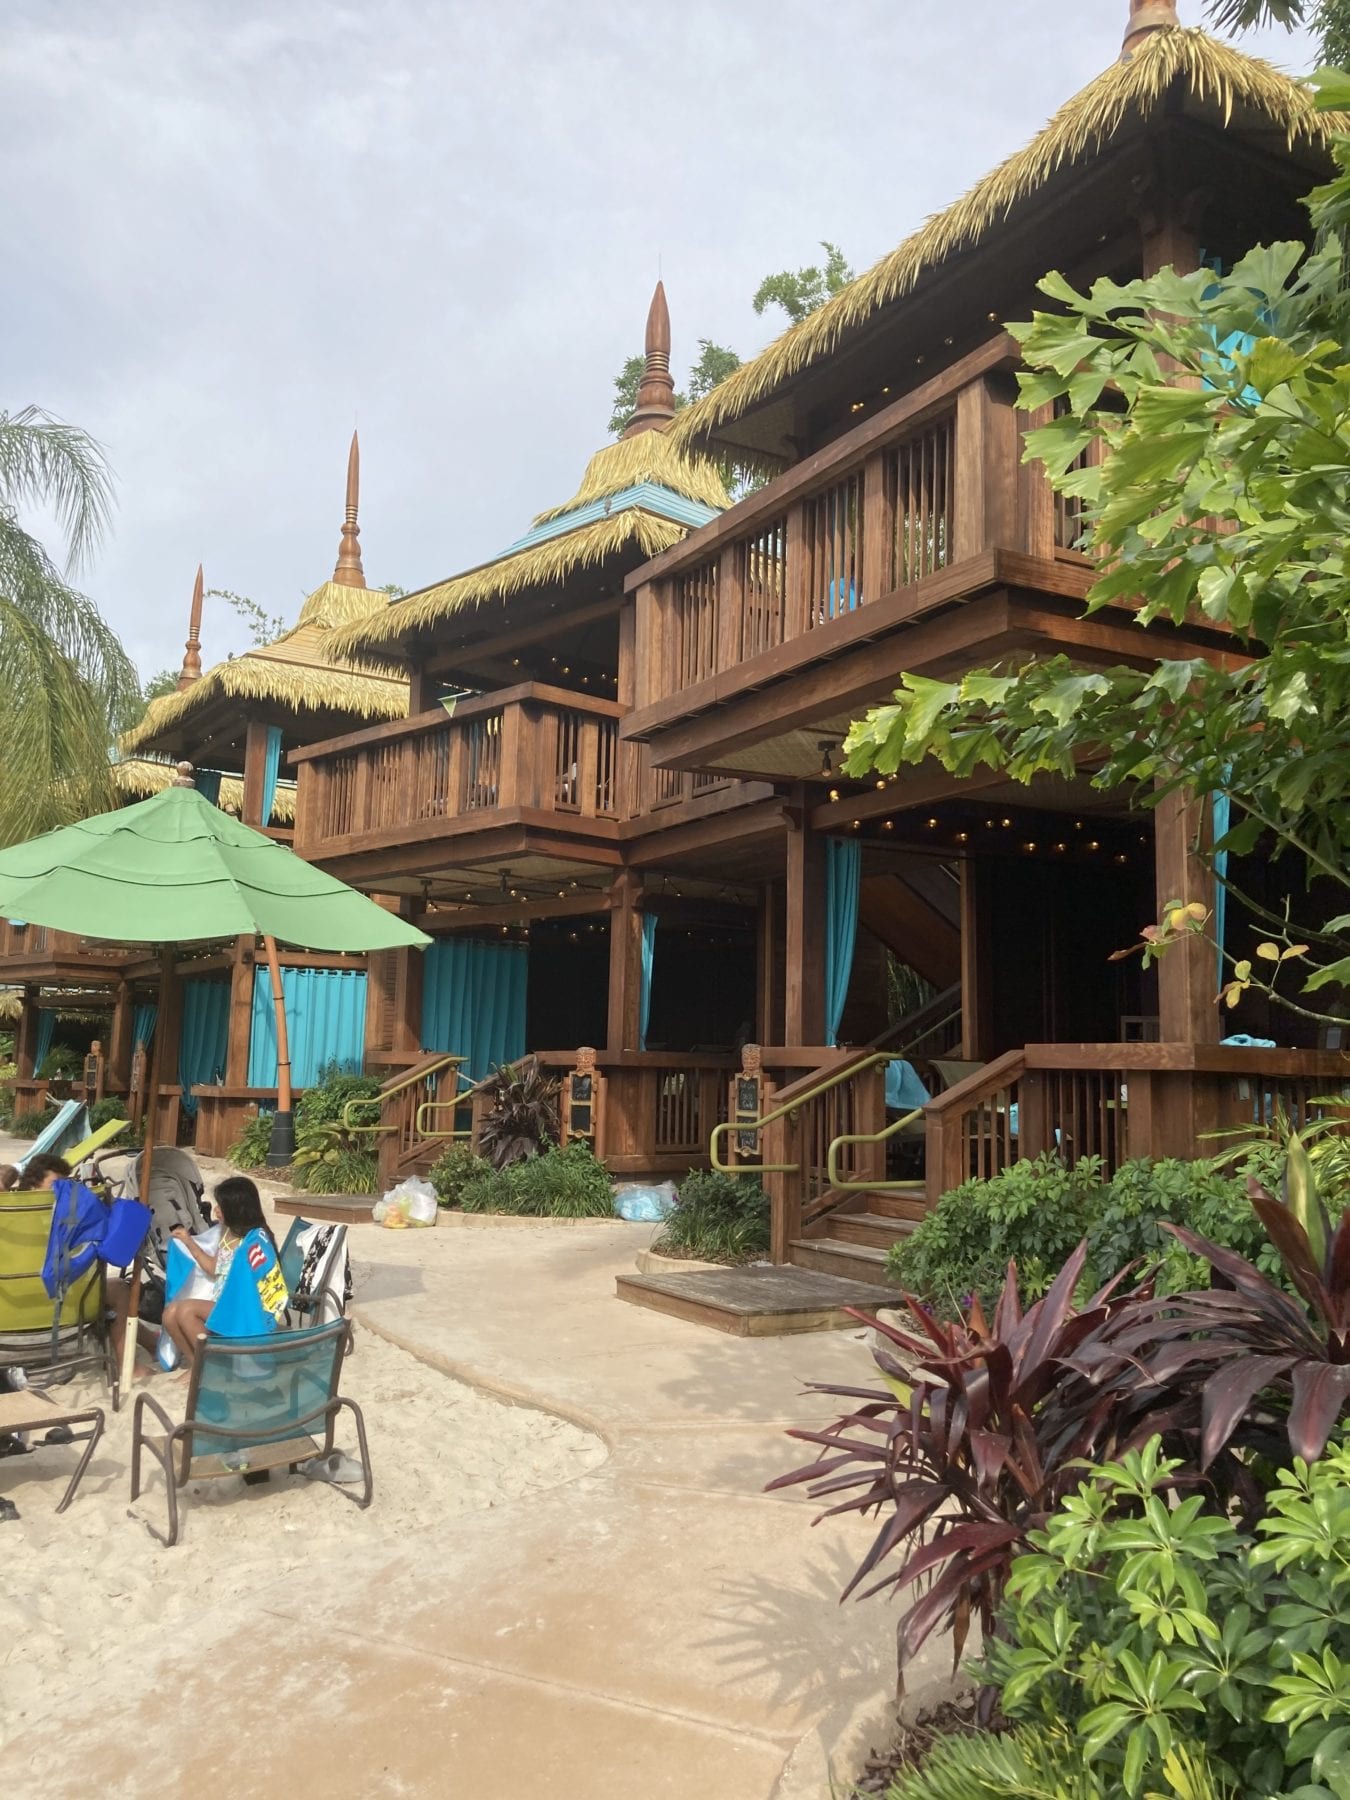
column 881, row 787
column 888, row 825
column 932, row 824
column 834, row 793
column 1030, row 844
column 963, row 837
column 1094, row 845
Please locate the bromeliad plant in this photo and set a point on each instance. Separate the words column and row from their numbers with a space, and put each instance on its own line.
column 522, row 1118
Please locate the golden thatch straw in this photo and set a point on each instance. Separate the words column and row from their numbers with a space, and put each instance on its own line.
column 140, row 776
column 1212, row 72
column 541, row 565
column 301, row 670
column 648, row 457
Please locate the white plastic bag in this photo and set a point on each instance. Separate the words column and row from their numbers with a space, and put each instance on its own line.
column 645, row 1203
column 411, row 1203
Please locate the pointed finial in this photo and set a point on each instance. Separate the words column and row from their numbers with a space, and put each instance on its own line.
column 192, row 651
column 656, row 396
column 1146, row 17
column 349, row 572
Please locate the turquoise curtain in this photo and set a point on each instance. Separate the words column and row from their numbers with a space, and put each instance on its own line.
column 473, row 1002
column 843, row 882
column 325, row 1023
column 271, row 769
column 205, row 1034
column 46, row 1026
column 645, row 991
column 143, row 1025
column 1223, row 819
column 207, row 784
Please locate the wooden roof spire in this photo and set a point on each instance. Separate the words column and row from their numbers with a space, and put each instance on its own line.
column 656, row 396
column 349, row 572
column 1146, row 17
column 192, row 651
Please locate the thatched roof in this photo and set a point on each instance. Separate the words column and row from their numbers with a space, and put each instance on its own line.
column 300, row 671
column 638, row 496
column 140, row 776
column 1213, row 74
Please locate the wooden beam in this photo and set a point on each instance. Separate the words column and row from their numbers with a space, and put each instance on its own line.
column 625, row 963
column 241, row 1012
column 1188, row 976
column 255, row 760
column 804, row 1009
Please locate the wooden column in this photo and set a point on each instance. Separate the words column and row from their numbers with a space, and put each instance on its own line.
column 120, row 1046
column 627, row 782
column 766, row 924
column 255, row 758
column 25, row 1038
column 423, row 691
column 241, row 1012
column 977, row 996
column 804, row 1005
column 625, row 962
column 1188, row 972
column 988, row 459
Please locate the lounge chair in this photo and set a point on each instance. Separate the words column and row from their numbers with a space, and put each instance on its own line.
column 70, row 1126
column 27, row 1411
column 50, row 1339
column 316, row 1277
column 252, row 1404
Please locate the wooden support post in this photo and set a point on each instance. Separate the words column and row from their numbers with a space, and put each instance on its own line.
column 878, row 529
column 767, row 926
column 627, row 778
column 1187, row 973
column 255, row 761
column 242, row 975
column 804, row 1008
column 987, row 454
column 120, row 1046
column 25, row 1041
column 423, row 690
column 625, row 962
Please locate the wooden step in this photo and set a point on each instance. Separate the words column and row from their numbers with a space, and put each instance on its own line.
column 758, row 1301
column 855, row 1262
column 900, row 1203
column 874, row 1229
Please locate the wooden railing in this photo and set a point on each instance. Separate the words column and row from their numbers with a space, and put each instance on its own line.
column 932, row 480
column 527, row 748
column 1117, row 1101
column 31, row 943
column 659, row 1107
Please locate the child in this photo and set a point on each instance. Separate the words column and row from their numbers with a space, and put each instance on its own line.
column 240, row 1211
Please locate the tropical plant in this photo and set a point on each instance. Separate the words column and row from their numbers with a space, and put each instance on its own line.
column 1035, row 1211
column 1329, row 19
column 61, row 1063
column 327, row 1097
column 570, row 1183
column 453, row 1170
column 521, row 1118
column 330, row 1160
column 1140, row 1627
column 249, row 1150
column 29, row 1123
column 801, row 292
column 69, row 686
column 718, row 1218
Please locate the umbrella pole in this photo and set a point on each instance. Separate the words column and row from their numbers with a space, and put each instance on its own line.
column 281, row 1150
column 128, row 1370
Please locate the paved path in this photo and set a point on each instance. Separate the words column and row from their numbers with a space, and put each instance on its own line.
column 656, row 1627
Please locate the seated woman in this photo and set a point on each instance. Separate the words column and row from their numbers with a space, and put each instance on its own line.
column 239, row 1209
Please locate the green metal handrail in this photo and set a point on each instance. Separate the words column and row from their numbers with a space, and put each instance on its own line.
column 396, row 1087
column 785, row 1112
column 836, row 1180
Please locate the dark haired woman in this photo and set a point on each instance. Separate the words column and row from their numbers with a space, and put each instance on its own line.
column 239, row 1209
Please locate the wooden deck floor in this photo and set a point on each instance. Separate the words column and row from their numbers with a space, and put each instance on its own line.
column 755, row 1302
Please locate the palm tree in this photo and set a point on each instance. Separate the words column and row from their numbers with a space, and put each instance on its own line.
column 66, row 684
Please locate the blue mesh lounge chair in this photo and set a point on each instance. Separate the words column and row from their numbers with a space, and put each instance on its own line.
column 252, row 1404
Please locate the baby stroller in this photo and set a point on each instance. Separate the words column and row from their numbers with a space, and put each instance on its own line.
column 175, row 1198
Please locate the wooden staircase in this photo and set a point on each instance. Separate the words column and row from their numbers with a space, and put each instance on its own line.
column 854, row 1243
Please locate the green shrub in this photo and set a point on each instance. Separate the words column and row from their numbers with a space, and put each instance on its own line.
column 559, row 1184
column 113, row 1106
column 328, row 1160
column 249, row 1150
column 1035, row 1212
column 29, row 1124
column 1138, row 1630
column 453, row 1169
column 323, row 1102
column 717, row 1218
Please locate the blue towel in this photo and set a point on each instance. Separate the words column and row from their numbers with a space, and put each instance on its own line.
column 904, row 1091
column 79, row 1224
column 1242, row 1041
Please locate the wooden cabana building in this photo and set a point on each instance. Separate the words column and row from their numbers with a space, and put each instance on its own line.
column 899, row 532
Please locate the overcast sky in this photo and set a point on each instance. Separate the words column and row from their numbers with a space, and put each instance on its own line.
column 238, row 228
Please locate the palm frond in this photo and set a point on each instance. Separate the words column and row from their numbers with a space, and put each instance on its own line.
column 45, row 462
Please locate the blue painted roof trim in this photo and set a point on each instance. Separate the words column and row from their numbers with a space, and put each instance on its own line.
column 647, row 496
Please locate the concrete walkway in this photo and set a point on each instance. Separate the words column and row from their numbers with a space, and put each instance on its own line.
column 656, row 1627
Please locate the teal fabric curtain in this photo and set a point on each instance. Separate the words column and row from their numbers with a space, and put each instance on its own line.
column 325, row 1023
column 1223, row 820
column 843, row 882
column 473, row 1002
column 648, row 962
column 143, row 1025
column 207, row 784
column 271, row 769
column 204, row 1039
column 46, row 1026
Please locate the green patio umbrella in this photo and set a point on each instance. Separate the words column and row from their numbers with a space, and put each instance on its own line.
column 174, row 869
